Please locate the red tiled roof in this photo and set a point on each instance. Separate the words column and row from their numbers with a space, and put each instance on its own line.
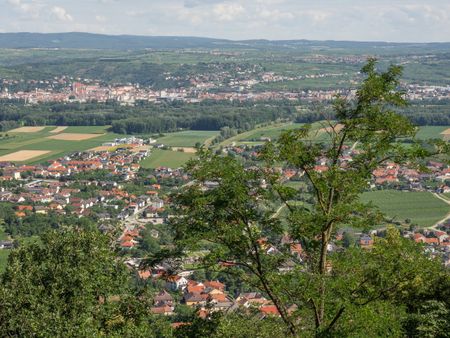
column 215, row 285
column 127, row 244
column 269, row 310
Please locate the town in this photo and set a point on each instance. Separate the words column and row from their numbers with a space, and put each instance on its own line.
column 67, row 89
column 109, row 187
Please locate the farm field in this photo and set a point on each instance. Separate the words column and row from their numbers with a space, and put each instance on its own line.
column 421, row 207
column 429, row 132
column 271, row 132
column 87, row 129
column 73, row 136
column 253, row 137
column 166, row 158
column 27, row 129
column 54, row 148
column 187, row 138
column 23, row 155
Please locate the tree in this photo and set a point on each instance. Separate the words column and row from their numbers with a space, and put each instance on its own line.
column 348, row 239
column 71, row 284
column 239, row 221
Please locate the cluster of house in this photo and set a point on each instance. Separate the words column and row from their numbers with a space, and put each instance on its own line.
column 427, row 92
column 43, row 197
column 436, row 241
column 45, row 194
column 392, row 173
column 120, row 163
column 207, row 297
column 388, row 174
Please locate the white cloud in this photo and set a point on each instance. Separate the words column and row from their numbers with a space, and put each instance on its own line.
column 228, row 12
column 61, row 14
column 100, row 18
column 30, row 8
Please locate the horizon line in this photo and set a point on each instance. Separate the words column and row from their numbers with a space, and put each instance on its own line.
column 226, row 39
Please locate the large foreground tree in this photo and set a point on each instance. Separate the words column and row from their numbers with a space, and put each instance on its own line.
column 319, row 291
column 72, row 285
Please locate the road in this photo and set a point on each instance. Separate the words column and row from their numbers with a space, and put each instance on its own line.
column 447, row 217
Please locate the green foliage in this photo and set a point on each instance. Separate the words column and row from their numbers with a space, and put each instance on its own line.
column 338, row 293
column 69, row 285
column 235, row 325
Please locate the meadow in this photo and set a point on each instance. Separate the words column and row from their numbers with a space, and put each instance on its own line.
column 422, row 208
column 166, row 158
column 187, row 138
column 430, row 132
column 272, row 132
column 252, row 137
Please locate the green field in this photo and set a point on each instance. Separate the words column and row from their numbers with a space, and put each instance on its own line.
column 430, row 132
column 58, row 148
column 187, row 138
column 166, row 158
column 273, row 132
column 421, row 207
column 87, row 129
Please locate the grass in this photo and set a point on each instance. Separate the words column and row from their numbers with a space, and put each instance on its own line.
column 245, row 136
column 273, row 132
column 296, row 184
column 429, row 132
column 57, row 148
column 166, row 158
column 87, row 129
column 421, row 207
column 187, row 138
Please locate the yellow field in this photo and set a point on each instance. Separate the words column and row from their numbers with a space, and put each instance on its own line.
column 109, row 148
column 337, row 129
column 23, row 155
column 102, row 148
column 190, row 150
column 138, row 149
column 73, row 137
column 27, row 130
column 58, row 130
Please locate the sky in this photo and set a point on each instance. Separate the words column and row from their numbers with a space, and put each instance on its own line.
column 359, row 20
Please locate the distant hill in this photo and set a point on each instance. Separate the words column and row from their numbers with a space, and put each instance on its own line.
column 134, row 42
column 99, row 41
